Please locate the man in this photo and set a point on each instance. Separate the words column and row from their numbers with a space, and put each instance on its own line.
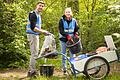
column 33, row 29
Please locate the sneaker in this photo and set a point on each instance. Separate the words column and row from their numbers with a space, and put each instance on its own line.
column 32, row 74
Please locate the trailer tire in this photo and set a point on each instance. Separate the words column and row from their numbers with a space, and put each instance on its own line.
column 94, row 66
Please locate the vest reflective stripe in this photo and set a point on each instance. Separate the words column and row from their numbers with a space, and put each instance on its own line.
column 69, row 29
column 38, row 25
column 28, row 29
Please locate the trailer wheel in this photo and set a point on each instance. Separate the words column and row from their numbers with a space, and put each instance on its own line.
column 96, row 68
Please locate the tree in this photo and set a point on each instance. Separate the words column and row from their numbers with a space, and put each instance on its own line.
column 12, row 46
column 95, row 22
column 74, row 4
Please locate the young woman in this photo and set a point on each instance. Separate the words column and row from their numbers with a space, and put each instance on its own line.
column 67, row 28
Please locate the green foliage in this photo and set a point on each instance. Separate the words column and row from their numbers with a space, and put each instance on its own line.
column 96, row 21
column 12, row 45
column 51, row 16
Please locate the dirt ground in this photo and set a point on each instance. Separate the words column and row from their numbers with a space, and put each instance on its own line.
column 18, row 74
column 12, row 74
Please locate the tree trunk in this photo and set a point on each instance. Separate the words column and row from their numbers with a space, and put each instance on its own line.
column 74, row 4
column 76, row 7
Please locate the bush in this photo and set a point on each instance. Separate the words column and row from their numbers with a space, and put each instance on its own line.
column 12, row 44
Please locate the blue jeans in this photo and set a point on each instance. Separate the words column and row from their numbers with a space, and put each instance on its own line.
column 63, row 51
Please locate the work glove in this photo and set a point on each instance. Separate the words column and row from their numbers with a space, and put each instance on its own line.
column 69, row 37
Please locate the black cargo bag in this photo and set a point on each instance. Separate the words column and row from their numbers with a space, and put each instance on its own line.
column 74, row 45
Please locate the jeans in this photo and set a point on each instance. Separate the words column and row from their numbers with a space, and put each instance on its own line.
column 63, row 51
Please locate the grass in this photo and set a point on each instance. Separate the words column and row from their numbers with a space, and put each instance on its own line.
column 57, row 63
column 110, row 77
column 114, row 76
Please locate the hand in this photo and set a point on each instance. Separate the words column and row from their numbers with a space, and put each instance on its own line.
column 69, row 37
column 47, row 33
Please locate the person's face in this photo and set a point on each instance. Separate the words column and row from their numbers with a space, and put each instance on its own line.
column 68, row 13
column 40, row 7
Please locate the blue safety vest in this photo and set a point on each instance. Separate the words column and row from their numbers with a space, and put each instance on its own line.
column 38, row 25
column 69, row 29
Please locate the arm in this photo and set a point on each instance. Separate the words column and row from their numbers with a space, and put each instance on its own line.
column 41, row 30
column 33, row 19
column 76, row 28
column 61, row 28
